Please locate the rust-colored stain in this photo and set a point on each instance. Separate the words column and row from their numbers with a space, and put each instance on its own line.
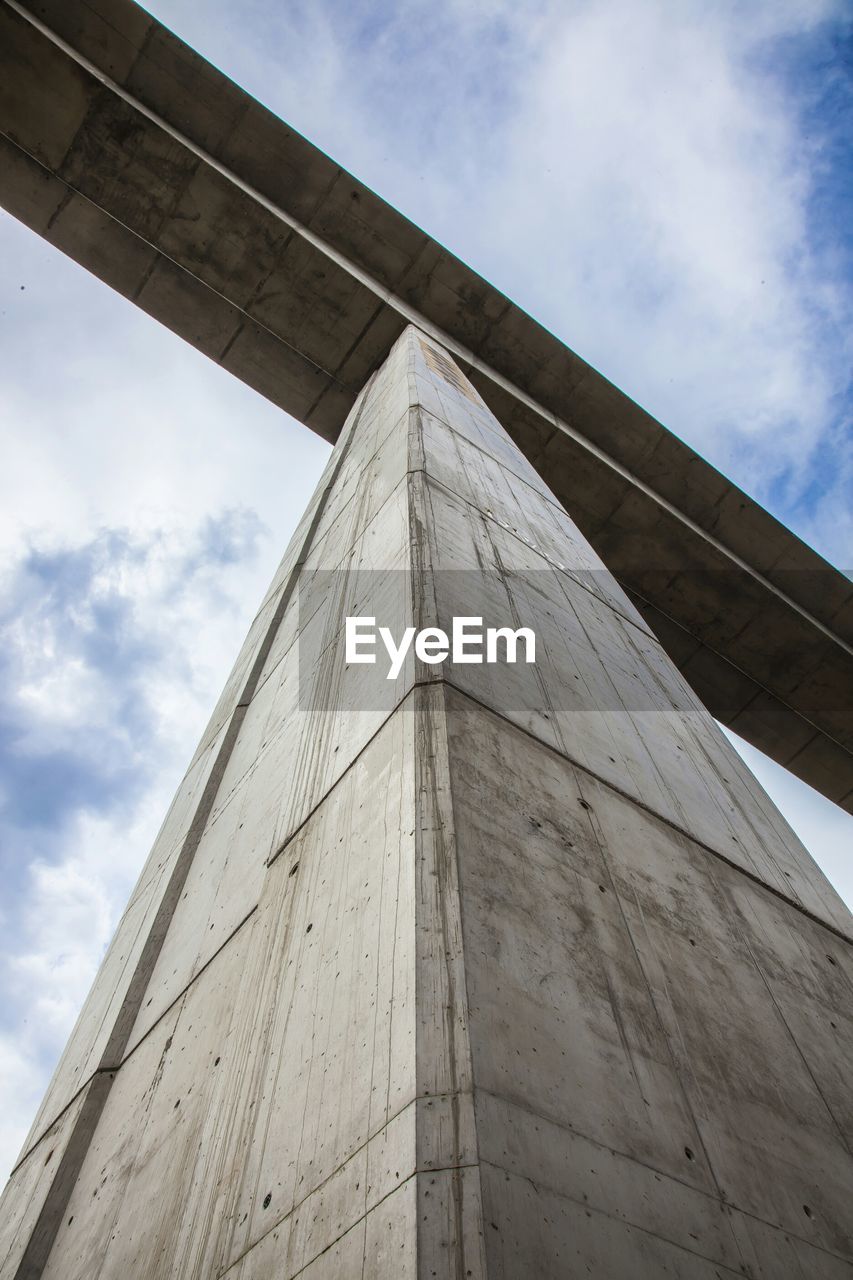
column 445, row 368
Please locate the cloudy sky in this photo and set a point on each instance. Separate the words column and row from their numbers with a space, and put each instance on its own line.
column 664, row 186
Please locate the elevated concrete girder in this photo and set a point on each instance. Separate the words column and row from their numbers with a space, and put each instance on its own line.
column 133, row 155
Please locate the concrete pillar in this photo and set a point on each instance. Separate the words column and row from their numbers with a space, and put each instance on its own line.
column 487, row 970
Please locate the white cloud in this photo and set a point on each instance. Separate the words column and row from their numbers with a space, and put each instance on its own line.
column 682, row 187
column 636, row 175
column 110, row 665
column 51, row 953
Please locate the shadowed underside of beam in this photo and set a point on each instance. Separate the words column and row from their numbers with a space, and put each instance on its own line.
column 129, row 152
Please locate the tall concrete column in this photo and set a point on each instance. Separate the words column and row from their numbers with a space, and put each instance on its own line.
column 486, row 970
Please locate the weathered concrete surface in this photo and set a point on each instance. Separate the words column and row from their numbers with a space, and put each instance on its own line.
column 490, row 972
column 130, row 153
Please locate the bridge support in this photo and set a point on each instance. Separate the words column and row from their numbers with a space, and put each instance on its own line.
column 487, row 970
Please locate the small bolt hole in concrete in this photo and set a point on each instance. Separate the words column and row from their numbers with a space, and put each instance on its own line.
column 807, row 1211
column 267, row 1199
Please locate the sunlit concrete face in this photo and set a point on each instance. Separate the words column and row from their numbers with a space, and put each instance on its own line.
column 485, row 970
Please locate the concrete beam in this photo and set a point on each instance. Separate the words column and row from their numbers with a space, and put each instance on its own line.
column 125, row 149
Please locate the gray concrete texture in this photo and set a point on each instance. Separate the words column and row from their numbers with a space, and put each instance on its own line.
column 470, row 978
column 125, row 149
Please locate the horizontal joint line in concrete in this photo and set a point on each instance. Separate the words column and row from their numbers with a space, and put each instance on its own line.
column 417, row 1172
column 422, row 470
column 642, row 627
column 443, row 680
column 624, row 1155
column 302, row 560
column 656, row 497
column 717, row 853
column 589, row 1207
column 116, row 1067
column 474, row 444
column 83, row 1129
column 176, row 999
column 257, row 668
column 594, row 1142
column 565, row 428
column 112, row 1068
column 151, row 948
column 417, row 684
